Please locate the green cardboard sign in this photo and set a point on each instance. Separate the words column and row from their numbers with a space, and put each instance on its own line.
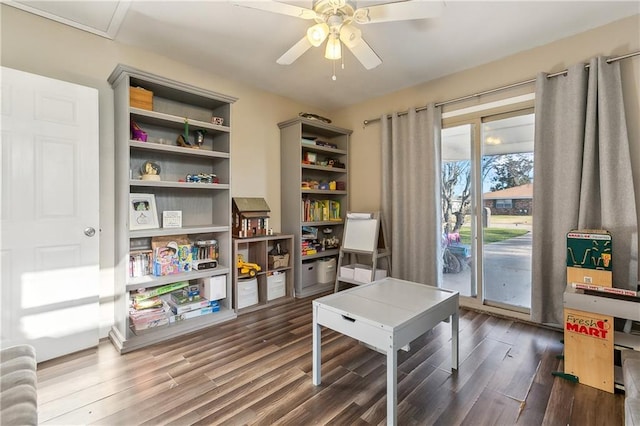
column 589, row 249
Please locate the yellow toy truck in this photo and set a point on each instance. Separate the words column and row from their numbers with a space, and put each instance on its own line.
column 247, row 267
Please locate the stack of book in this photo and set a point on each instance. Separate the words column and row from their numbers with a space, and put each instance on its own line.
column 188, row 303
column 148, row 310
column 148, row 314
column 308, row 248
column 320, row 210
column 140, row 263
column 168, row 304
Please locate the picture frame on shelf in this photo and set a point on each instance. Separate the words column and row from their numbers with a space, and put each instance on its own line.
column 172, row 219
column 143, row 213
column 310, row 157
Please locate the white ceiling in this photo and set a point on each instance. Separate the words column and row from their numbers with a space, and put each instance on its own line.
column 243, row 44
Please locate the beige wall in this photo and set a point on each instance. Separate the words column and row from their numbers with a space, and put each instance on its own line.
column 40, row 46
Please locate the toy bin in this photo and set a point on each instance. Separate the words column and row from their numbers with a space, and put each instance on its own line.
column 326, row 270
column 348, row 271
column 308, row 273
column 276, row 285
column 141, row 98
column 247, row 293
column 363, row 274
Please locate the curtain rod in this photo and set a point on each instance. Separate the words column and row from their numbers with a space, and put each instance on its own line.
column 498, row 89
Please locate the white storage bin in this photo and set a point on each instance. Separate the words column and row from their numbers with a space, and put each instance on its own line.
column 348, row 271
column 247, row 293
column 276, row 286
column 213, row 288
column 308, row 274
column 326, row 270
column 363, row 274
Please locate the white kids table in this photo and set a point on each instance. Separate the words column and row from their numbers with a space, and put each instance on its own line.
column 387, row 314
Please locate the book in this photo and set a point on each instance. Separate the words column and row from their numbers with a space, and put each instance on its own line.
column 165, row 260
column 166, row 257
column 180, row 308
column 185, row 257
column 611, row 290
column 194, row 314
column 149, row 318
column 179, row 296
column 140, row 262
column 152, row 302
column 157, row 291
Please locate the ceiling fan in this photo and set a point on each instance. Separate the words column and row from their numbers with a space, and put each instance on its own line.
column 334, row 22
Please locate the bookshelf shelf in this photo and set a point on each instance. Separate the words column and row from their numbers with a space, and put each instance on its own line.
column 325, row 253
column 323, row 191
column 306, row 147
column 189, row 230
column 173, row 121
column 325, row 168
column 181, row 185
column 205, row 207
column 152, row 281
column 324, row 223
column 189, row 152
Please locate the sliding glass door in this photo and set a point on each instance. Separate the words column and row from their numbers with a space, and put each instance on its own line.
column 487, row 208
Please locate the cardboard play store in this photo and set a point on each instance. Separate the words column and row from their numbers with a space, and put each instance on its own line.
column 588, row 337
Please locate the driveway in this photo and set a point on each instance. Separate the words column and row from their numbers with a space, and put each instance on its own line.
column 507, row 273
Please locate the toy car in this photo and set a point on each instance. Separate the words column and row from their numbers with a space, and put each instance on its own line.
column 247, row 267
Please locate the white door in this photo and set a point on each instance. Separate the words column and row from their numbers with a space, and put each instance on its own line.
column 49, row 217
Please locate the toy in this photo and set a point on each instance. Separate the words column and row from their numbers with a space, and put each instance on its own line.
column 203, row 178
column 150, row 171
column 250, row 217
column 200, row 138
column 246, row 267
column 312, row 116
column 137, row 134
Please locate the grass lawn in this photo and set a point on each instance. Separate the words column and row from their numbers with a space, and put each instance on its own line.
column 509, row 220
column 491, row 235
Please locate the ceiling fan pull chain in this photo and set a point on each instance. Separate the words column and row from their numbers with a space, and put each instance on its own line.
column 333, row 77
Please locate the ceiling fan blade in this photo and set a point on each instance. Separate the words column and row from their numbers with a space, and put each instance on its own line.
column 295, row 52
column 364, row 53
column 277, row 7
column 400, row 11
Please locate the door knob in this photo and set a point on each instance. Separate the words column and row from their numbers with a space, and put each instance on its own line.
column 89, row 232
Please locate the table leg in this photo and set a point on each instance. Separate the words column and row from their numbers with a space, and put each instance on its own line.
column 454, row 341
column 316, row 347
column 392, row 386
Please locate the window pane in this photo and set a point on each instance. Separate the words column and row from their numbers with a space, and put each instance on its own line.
column 456, row 209
column 507, row 186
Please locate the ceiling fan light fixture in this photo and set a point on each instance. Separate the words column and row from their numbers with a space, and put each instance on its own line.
column 317, row 34
column 333, row 50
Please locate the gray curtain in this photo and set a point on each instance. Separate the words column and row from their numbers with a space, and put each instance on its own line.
column 411, row 193
column 582, row 178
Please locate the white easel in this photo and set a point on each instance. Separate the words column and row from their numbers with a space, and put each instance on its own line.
column 363, row 235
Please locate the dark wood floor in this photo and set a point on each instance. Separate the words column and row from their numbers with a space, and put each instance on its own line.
column 257, row 370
